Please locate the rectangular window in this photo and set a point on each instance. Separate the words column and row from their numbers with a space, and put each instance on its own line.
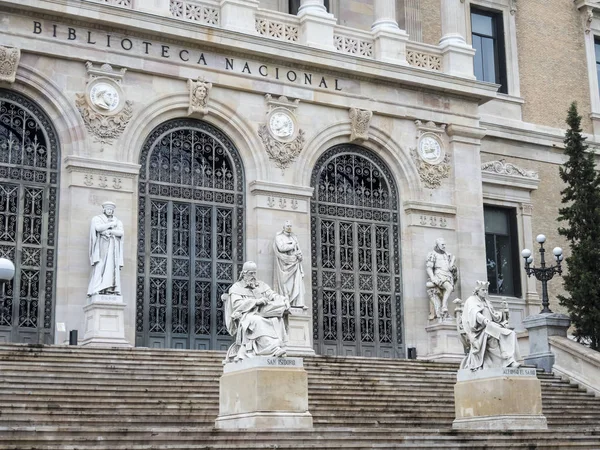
column 487, row 36
column 294, row 6
column 501, row 251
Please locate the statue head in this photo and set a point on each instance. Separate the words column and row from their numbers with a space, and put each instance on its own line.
column 249, row 274
column 287, row 226
column 440, row 244
column 108, row 208
column 481, row 288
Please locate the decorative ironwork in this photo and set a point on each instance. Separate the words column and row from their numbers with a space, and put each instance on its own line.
column 355, row 255
column 191, row 234
column 29, row 156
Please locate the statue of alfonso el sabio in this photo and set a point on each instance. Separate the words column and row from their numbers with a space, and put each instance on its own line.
column 256, row 318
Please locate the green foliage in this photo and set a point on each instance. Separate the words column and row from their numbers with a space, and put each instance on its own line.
column 581, row 215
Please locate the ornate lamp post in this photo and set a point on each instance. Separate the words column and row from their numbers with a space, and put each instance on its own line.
column 543, row 273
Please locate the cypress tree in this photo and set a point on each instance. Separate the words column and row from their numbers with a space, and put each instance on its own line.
column 581, row 217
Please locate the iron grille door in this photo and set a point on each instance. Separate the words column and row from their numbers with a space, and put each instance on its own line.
column 357, row 306
column 191, row 236
column 29, row 154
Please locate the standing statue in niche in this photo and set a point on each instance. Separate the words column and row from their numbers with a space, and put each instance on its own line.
column 443, row 274
column 106, row 252
column 492, row 343
column 288, row 275
column 256, row 317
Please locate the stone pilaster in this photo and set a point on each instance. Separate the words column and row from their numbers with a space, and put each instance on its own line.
column 465, row 145
column 389, row 39
column 456, row 53
column 316, row 25
column 161, row 7
column 239, row 15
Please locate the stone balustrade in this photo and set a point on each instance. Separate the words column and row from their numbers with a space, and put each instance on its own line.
column 424, row 56
column 315, row 28
column 205, row 12
column 352, row 41
column 276, row 25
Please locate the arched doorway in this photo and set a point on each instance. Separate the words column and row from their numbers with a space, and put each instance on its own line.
column 357, row 305
column 29, row 179
column 190, row 237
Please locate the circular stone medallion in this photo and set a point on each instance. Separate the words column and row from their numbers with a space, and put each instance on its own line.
column 281, row 124
column 104, row 97
column 430, row 149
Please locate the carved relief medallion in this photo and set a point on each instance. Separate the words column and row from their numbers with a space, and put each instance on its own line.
column 103, row 107
column 104, row 96
column 282, row 138
column 433, row 163
column 281, row 124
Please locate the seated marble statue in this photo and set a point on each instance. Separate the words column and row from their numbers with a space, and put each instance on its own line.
column 256, row 317
column 492, row 343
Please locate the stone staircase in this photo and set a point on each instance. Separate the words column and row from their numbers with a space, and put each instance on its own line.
column 71, row 398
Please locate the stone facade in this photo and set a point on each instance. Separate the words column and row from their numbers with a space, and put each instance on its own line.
column 256, row 59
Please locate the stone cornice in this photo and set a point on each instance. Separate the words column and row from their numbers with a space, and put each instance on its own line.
column 80, row 164
column 508, row 174
column 169, row 29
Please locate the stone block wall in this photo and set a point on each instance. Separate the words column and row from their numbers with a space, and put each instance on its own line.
column 356, row 14
column 552, row 62
column 432, row 21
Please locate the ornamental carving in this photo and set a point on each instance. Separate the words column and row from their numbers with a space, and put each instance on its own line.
column 360, row 122
column 503, row 168
column 281, row 153
column 431, row 174
column 103, row 107
column 199, row 93
column 104, row 128
column 513, row 7
column 9, row 61
column 282, row 138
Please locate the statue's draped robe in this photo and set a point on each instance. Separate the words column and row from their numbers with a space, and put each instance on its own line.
column 486, row 351
column 287, row 272
column 106, row 257
column 258, row 330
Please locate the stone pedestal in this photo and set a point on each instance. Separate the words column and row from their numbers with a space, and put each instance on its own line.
column 239, row 15
column 161, row 7
column 299, row 322
column 443, row 343
column 390, row 45
column 540, row 327
column 316, row 27
column 264, row 394
column 498, row 399
column 105, row 321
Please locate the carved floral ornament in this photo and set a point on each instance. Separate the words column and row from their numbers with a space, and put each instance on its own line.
column 503, row 168
column 282, row 138
column 360, row 123
column 431, row 159
column 103, row 108
column 9, row 61
column 199, row 93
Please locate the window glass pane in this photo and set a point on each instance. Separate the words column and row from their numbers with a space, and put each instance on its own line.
column 489, row 63
column 598, row 75
column 496, row 221
column 478, row 59
column 481, row 24
column 505, row 280
column 490, row 262
column 597, row 48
